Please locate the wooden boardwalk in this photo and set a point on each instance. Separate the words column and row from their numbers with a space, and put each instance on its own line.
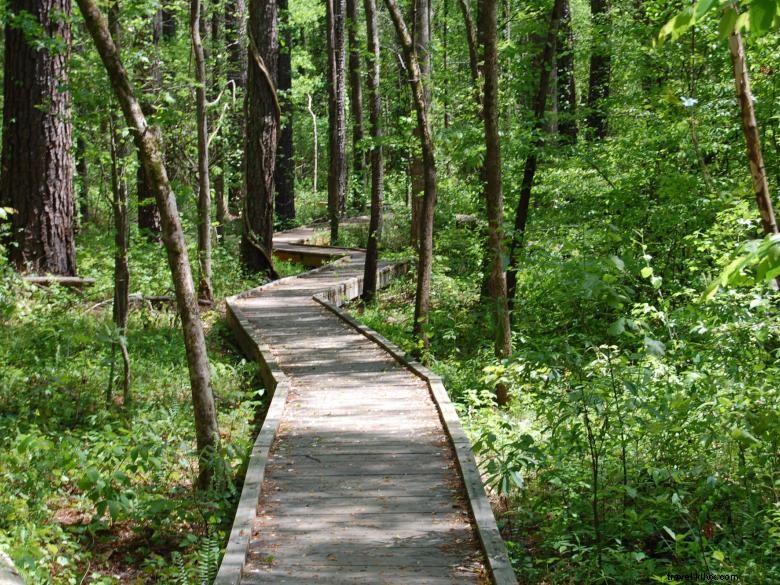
column 355, row 477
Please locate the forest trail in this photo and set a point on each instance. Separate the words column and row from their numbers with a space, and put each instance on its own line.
column 360, row 464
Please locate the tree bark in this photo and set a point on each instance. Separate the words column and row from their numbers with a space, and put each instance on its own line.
column 531, row 162
column 377, row 164
column 600, row 68
column 427, row 208
column 337, row 136
column 237, row 66
column 262, row 137
column 204, row 188
column 356, row 108
column 37, row 165
column 218, row 150
column 148, row 142
column 119, row 204
column 315, row 138
column 494, row 197
column 567, row 94
column 422, row 41
column 149, row 221
column 285, row 156
column 752, row 138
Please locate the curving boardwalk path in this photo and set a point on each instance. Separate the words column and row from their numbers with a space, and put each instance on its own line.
column 361, row 473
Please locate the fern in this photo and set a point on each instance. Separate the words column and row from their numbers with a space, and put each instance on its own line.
column 181, row 577
column 208, row 557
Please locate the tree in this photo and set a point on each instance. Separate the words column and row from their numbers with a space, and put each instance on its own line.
column 425, row 247
column 337, row 137
column 567, row 93
column 493, row 192
column 375, row 152
column 356, row 107
column 531, row 162
column 150, row 76
column 263, row 115
column 600, row 68
column 37, row 166
column 147, row 140
column 204, row 189
column 285, row 156
column 119, row 204
column 422, row 41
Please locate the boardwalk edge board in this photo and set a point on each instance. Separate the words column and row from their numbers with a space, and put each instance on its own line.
column 492, row 543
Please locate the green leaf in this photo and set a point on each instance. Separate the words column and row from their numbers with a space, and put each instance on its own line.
column 727, row 22
column 617, row 328
column 647, row 272
column 762, row 13
column 701, row 8
column 670, row 532
column 618, row 262
column 718, row 555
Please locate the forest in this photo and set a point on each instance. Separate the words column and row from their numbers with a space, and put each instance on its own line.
column 582, row 191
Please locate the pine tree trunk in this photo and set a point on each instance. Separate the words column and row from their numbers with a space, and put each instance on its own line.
column 356, row 108
column 204, row 188
column 494, row 197
column 262, row 137
column 285, row 156
column 752, row 139
column 531, row 162
column 377, row 164
column 600, row 68
column 337, row 136
column 422, row 41
column 567, row 95
column 147, row 140
column 37, row 165
column 428, row 204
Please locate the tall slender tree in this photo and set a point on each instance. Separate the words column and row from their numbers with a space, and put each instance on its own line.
column 422, row 304
column 147, row 140
column 377, row 163
column 422, row 41
column 263, row 115
column 600, row 68
column 204, row 188
column 356, row 107
column 285, row 157
column 532, row 160
column 337, row 134
column 494, row 197
column 150, row 75
column 119, row 204
column 37, row 167
column 566, row 90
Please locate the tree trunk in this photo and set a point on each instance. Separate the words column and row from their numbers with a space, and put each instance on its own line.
column 471, row 42
column 218, row 150
column 600, row 67
column 337, row 137
column 262, row 137
column 119, row 203
column 237, row 66
column 377, row 164
column 168, row 20
column 83, row 174
column 285, row 156
column 425, row 247
column 531, row 162
column 422, row 41
column 147, row 140
column 567, row 95
column 151, row 83
column 494, row 197
column 37, row 166
column 315, row 138
column 752, row 139
column 356, row 108
column 204, row 189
